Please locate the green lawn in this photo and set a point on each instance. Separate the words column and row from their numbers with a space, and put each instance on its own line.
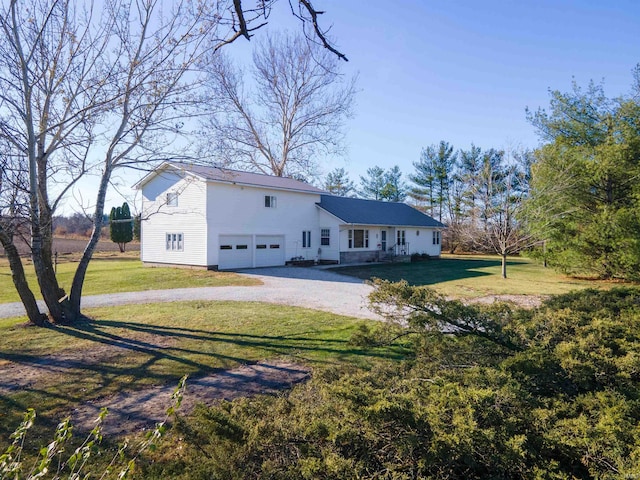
column 475, row 276
column 127, row 348
column 110, row 274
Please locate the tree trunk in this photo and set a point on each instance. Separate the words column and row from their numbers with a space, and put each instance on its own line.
column 75, row 296
column 20, row 282
column 504, row 265
column 41, row 253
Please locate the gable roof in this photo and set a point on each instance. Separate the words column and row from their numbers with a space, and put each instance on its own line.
column 226, row 175
column 375, row 212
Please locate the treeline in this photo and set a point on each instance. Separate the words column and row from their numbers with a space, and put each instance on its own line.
column 477, row 193
column 77, row 224
column 574, row 201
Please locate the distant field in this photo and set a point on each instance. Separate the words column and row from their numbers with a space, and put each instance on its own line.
column 71, row 246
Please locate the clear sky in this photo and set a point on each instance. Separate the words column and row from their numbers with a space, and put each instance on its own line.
column 464, row 70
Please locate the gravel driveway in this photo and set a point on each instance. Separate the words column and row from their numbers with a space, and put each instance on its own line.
column 301, row 287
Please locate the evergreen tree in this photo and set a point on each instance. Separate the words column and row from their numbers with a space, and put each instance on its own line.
column 394, row 190
column 121, row 226
column 433, row 177
column 338, row 183
column 372, row 185
column 470, row 162
column 585, row 191
column 424, row 182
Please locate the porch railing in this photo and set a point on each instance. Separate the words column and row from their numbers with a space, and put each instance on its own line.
column 399, row 249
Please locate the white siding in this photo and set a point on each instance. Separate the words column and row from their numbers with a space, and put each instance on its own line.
column 187, row 218
column 421, row 241
column 326, row 220
column 240, row 210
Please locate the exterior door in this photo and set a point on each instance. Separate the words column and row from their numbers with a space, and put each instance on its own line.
column 383, row 240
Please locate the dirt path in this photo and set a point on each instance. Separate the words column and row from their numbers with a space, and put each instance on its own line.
column 131, row 412
column 139, row 411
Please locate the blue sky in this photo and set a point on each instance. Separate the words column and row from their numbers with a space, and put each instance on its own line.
column 463, row 71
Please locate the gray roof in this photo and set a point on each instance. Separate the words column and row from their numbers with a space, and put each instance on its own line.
column 248, row 178
column 226, row 175
column 374, row 212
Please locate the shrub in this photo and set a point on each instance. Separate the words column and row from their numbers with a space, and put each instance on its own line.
column 419, row 257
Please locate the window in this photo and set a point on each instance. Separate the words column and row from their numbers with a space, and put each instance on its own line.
column 172, row 199
column 241, row 247
column 325, row 236
column 402, row 237
column 261, row 246
column 269, row 201
column 226, row 247
column 358, row 238
column 274, row 245
column 306, row 239
column 436, row 238
column 174, row 242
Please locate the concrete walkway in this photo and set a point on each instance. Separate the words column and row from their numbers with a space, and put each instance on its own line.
column 301, row 287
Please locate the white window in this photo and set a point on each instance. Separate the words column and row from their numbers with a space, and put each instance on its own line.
column 172, row 199
column 270, row 201
column 436, row 238
column 174, row 242
column 325, row 236
column 306, row 239
column 358, row 238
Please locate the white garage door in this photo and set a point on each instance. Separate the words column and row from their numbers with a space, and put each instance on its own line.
column 235, row 251
column 269, row 250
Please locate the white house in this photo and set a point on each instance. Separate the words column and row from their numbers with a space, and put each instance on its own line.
column 225, row 219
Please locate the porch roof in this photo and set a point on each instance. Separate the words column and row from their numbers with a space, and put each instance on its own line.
column 374, row 212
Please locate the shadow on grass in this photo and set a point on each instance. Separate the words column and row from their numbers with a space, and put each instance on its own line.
column 119, row 355
column 426, row 273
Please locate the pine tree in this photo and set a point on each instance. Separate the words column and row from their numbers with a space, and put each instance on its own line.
column 339, row 183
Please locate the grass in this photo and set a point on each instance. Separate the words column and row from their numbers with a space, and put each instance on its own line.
column 128, row 348
column 111, row 273
column 475, row 276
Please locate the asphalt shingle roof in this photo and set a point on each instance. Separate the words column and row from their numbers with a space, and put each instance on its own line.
column 246, row 178
column 374, row 212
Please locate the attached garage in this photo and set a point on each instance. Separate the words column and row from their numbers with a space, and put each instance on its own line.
column 269, row 250
column 235, row 251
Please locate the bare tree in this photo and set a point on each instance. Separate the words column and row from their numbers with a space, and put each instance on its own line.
column 88, row 89
column 13, row 212
column 293, row 115
column 504, row 230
